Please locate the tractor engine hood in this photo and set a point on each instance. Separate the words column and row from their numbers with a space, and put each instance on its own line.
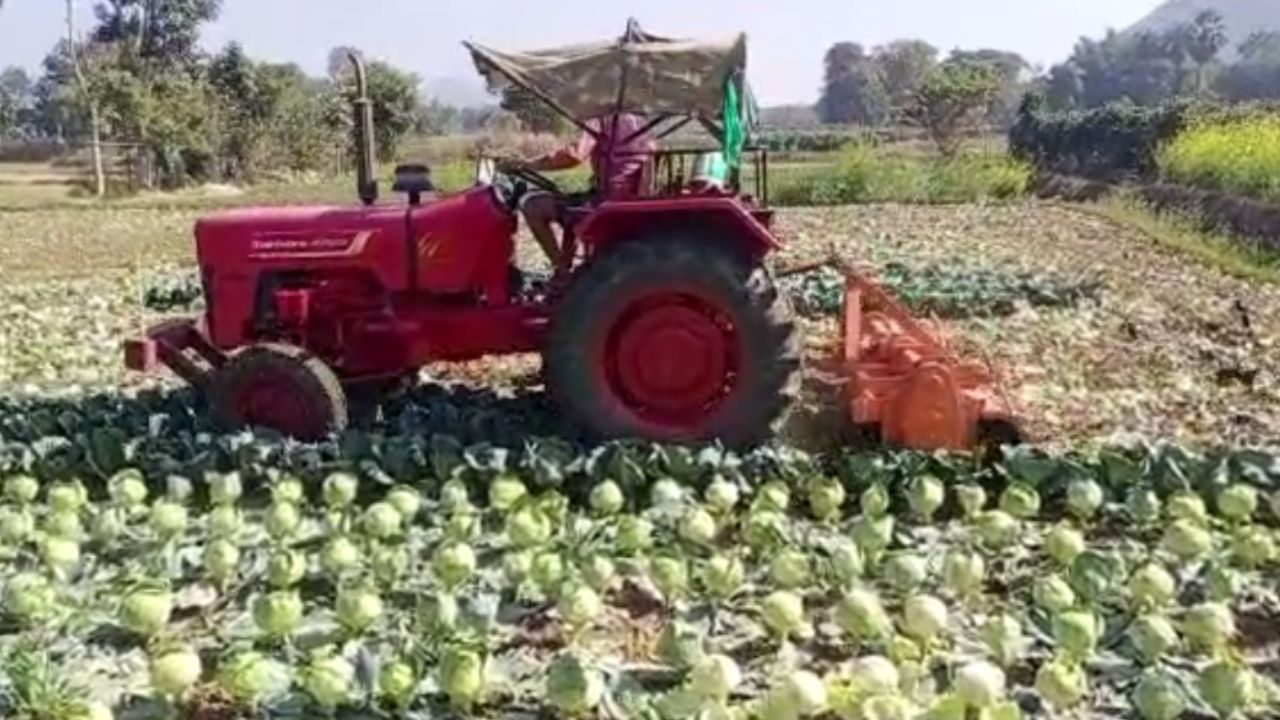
column 297, row 233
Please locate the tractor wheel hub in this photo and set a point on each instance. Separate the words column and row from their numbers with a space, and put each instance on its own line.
column 672, row 359
column 274, row 401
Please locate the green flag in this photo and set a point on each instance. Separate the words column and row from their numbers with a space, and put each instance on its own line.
column 735, row 136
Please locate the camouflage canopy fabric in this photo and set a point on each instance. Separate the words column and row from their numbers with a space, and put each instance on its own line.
column 663, row 76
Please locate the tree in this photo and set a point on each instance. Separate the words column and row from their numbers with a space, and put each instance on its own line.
column 272, row 117
column 1257, row 74
column 156, row 32
column 180, row 129
column 1007, row 66
column 1261, row 46
column 1206, row 37
column 15, row 99
column 394, row 96
column 1009, row 70
column 534, row 115
column 151, row 82
column 1249, row 81
column 474, row 119
column 789, row 117
column 16, row 83
column 904, row 64
column 244, row 107
column 1172, row 46
column 1143, row 68
column 8, row 115
column 952, row 100
column 853, row 87
column 1063, row 87
column 437, row 118
column 301, row 130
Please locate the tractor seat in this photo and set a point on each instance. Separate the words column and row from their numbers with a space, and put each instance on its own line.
column 710, row 175
column 413, row 180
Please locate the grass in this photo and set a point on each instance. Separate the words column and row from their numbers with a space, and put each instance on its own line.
column 1241, row 157
column 33, row 183
column 61, row 237
column 865, row 174
column 1228, row 255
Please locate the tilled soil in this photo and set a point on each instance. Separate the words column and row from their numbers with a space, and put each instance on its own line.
column 1173, row 348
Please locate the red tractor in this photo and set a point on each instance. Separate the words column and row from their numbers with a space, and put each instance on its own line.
column 660, row 320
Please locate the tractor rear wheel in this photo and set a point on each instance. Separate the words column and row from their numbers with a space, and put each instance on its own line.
column 676, row 341
column 281, row 387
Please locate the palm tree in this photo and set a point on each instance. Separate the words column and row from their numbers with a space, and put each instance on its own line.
column 1206, row 37
column 1172, row 46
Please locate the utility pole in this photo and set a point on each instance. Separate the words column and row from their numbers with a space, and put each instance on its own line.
column 95, row 122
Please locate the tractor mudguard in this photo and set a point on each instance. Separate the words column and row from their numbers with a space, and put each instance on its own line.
column 717, row 216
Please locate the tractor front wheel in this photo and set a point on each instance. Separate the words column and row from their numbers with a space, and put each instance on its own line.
column 676, row 341
column 281, row 387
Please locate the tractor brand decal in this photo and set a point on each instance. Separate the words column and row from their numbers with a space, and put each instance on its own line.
column 429, row 248
column 309, row 248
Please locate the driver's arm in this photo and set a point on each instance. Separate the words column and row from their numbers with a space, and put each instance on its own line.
column 565, row 158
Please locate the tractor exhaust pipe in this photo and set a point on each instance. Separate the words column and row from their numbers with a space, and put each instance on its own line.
column 362, row 108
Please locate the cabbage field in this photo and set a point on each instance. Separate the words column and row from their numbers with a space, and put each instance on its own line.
column 640, row 582
column 461, row 554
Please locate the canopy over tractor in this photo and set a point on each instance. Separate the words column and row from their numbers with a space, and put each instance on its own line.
column 662, row 319
column 637, row 73
column 670, row 82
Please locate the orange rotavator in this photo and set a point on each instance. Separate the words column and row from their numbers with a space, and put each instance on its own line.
column 662, row 319
column 906, row 385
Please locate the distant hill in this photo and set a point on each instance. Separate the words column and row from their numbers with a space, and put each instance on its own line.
column 1242, row 17
column 459, row 92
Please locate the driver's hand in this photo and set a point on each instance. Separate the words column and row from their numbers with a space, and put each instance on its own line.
column 508, row 164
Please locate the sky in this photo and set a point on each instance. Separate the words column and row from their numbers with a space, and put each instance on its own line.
column 787, row 38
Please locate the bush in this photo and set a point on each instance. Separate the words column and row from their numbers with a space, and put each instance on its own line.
column 966, row 178
column 31, row 151
column 1239, row 156
column 814, row 141
column 1115, row 142
column 865, row 174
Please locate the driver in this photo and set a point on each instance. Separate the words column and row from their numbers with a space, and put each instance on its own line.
column 615, row 174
